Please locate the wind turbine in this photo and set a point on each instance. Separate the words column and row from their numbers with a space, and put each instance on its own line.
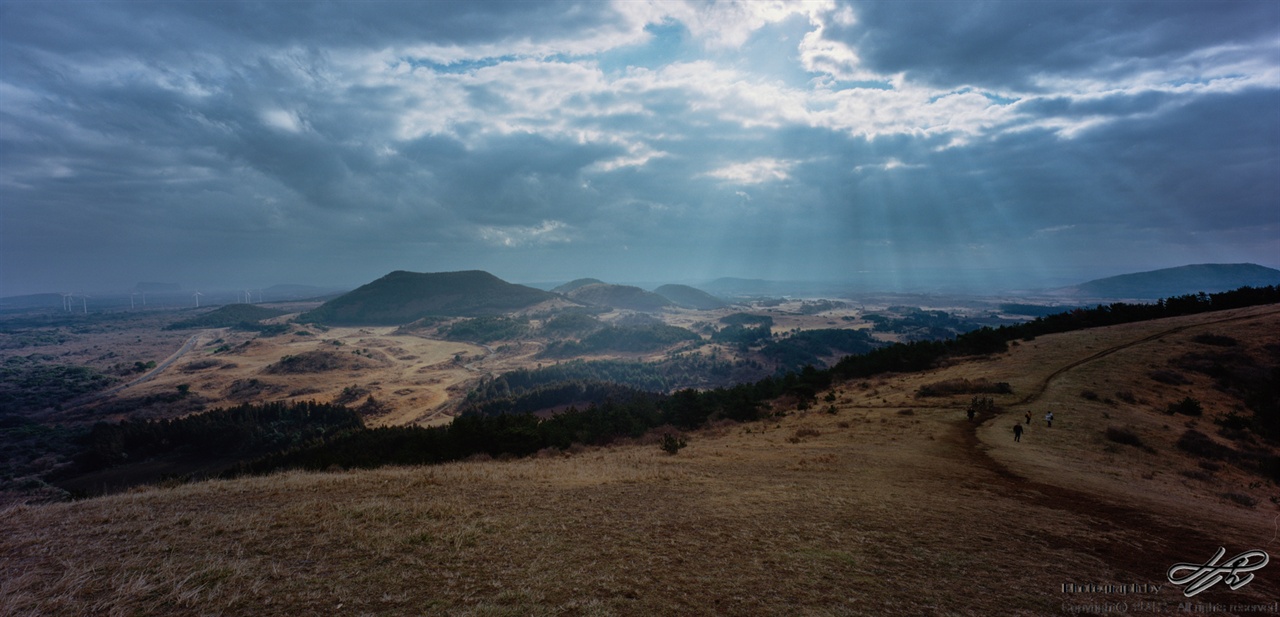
column 131, row 299
column 66, row 302
column 84, row 304
column 197, row 297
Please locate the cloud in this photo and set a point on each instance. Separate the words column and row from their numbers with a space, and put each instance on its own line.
column 547, row 232
column 753, row 172
column 783, row 137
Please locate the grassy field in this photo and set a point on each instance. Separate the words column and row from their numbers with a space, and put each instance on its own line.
column 894, row 505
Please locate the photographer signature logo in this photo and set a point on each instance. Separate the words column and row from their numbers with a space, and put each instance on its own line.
column 1235, row 572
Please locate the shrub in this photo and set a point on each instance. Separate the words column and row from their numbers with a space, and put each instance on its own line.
column 1089, row 395
column 672, row 443
column 1201, row 445
column 1187, row 406
column 1124, row 436
column 1216, row 340
column 1240, row 498
column 963, row 386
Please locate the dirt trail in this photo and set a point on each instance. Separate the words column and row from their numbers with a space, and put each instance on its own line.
column 1040, row 388
column 1136, row 542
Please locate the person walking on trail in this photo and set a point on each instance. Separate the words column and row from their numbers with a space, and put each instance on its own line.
column 971, row 412
column 1017, row 432
column 1048, row 419
column 1028, row 418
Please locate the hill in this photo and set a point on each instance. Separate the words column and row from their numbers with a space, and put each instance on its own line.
column 685, row 296
column 619, row 296
column 575, row 284
column 884, row 500
column 228, row 316
column 401, row 297
column 1169, row 282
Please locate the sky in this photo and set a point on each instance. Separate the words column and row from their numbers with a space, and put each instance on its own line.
column 1001, row 144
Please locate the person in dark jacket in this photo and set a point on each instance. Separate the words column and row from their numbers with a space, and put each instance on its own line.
column 1017, row 432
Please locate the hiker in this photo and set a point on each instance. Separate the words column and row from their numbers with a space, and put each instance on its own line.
column 1028, row 418
column 1048, row 418
column 971, row 414
column 1017, row 432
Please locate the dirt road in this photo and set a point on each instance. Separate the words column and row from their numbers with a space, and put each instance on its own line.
column 152, row 374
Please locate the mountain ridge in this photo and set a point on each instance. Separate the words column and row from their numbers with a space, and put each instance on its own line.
column 1177, row 281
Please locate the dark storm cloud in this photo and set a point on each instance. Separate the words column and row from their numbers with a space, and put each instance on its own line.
column 1007, row 44
column 175, row 27
column 316, row 142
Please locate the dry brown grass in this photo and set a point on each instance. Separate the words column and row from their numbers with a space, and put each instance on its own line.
column 868, row 512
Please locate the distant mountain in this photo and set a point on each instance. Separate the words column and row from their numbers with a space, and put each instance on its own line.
column 619, row 296
column 685, row 296
column 1168, row 282
column 402, row 297
column 573, row 285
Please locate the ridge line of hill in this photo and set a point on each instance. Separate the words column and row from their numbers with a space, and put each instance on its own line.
column 1152, row 532
column 1040, row 388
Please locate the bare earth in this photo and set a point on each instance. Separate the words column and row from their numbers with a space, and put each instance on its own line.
column 895, row 505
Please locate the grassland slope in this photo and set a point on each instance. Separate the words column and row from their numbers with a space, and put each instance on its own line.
column 619, row 296
column 1169, row 282
column 402, row 297
column 882, row 502
column 690, row 297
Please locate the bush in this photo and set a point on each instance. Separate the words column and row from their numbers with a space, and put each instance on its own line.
column 963, row 386
column 1201, row 445
column 1216, row 340
column 1187, row 406
column 1240, row 498
column 1124, row 436
column 672, row 443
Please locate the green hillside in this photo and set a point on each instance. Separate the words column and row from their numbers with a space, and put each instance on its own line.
column 685, row 296
column 575, row 284
column 619, row 296
column 402, row 297
column 1168, row 282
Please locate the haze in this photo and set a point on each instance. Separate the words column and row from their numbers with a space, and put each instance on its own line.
column 996, row 144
